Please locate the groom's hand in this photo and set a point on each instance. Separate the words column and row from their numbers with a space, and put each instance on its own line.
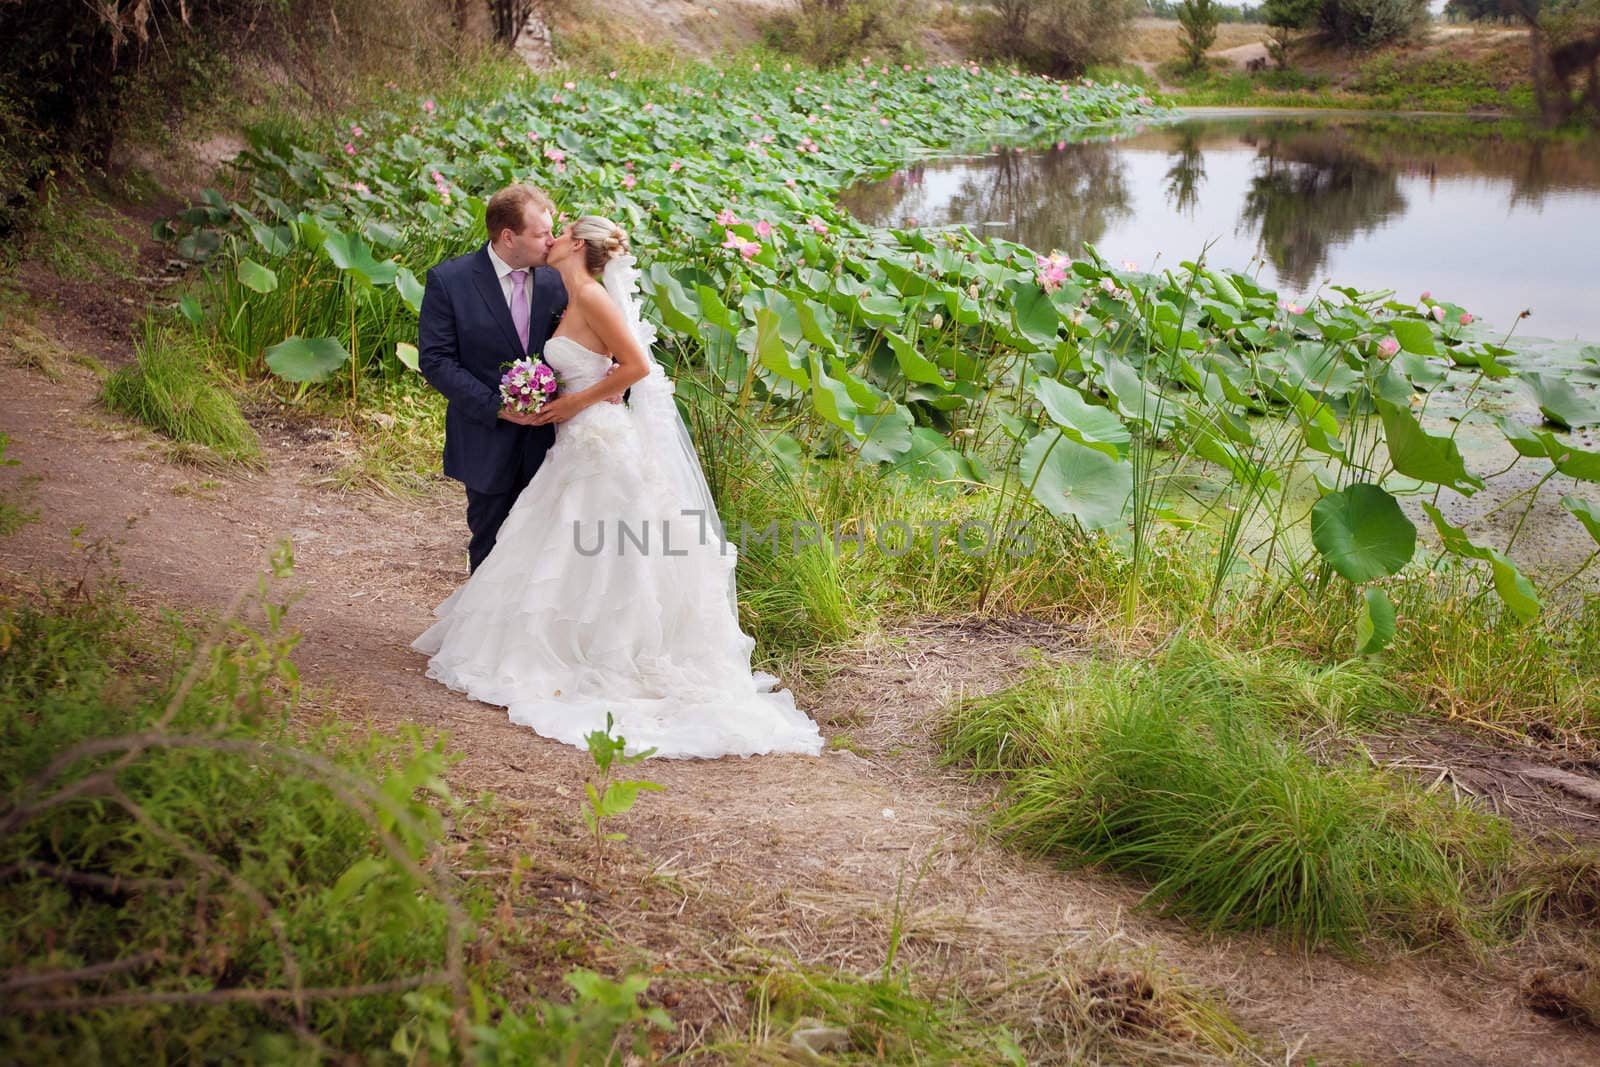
column 521, row 418
column 618, row 398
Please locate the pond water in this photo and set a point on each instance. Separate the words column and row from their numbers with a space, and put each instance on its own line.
column 1476, row 211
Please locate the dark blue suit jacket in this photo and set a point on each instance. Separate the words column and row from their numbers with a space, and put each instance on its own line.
column 466, row 337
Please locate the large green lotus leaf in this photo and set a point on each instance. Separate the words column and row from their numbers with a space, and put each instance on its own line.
column 1585, row 513
column 774, row 354
column 1225, row 453
column 816, row 325
column 932, row 458
column 301, row 359
column 1362, row 532
column 1421, row 455
column 678, row 312
column 1514, row 588
column 255, row 277
column 1375, row 625
column 1032, row 312
column 1086, row 423
column 888, row 435
column 830, row 398
column 1525, row 441
column 714, row 311
column 913, row 364
column 407, row 355
column 1075, row 481
column 1414, row 336
column 1560, row 403
column 410, row 290
column 350, row 253
column 1139, row 401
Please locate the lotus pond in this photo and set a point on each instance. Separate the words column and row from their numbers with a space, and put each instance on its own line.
column 963, row 366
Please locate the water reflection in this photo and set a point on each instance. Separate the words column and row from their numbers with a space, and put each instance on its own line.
column 1309, row 194
column 1479, row 212
column 1187, row 173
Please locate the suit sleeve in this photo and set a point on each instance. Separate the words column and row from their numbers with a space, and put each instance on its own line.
column 439, row 357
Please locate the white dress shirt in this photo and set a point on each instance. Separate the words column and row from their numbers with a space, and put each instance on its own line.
column 503, row 272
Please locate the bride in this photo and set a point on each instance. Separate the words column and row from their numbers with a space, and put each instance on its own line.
column 610, row 588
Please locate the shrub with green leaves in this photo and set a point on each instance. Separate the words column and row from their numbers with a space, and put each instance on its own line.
column 189, row 873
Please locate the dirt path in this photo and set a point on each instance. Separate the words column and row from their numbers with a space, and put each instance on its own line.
column 827, row 840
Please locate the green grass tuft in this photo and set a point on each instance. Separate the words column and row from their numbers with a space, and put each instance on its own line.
column 170, row 390
column 1178, row 770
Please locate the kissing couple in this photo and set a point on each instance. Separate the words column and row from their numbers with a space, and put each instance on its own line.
column 562, row 637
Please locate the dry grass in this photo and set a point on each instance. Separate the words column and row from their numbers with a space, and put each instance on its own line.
column 1156, row 40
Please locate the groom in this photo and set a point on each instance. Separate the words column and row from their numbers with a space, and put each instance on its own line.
column 481, row 311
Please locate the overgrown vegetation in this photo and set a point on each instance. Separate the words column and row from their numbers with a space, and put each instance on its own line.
column 170, row 388
column 192, row 871
column 1229, row 782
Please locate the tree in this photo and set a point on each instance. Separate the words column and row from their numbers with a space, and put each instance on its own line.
column 1368, row 23
column 1284, row 17
column 1199, row 21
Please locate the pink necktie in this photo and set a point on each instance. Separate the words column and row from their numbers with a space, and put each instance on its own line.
column 519, row 305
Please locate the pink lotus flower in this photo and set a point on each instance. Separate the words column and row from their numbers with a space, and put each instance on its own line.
column 726, row 217
column 675, row 166
column 1388, row 347
column 768, row 138
column 569, row 85
column 1466, row 318
column 1108, row 285
column 929, row 79
column 532, row 137
column 1426, row 296
column 612, row 75
column 649, row 107
column 1053, row 271
column 629, row 181
column 559, row 168
column 789, row 182
column 1061, row 146
column 818, row 225
column 428, row 106
column 359, row 187
column 357, row 131
column 349, row 149
column 1438, row 313
column 555, row 155
column 883, row 122
column 763, row 229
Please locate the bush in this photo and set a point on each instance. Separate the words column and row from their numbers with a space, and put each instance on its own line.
column 829, row 32
column 177, row 855
column 1368, row 23
column 1061, row 37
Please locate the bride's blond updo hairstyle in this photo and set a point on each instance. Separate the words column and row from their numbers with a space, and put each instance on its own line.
column 602, row 240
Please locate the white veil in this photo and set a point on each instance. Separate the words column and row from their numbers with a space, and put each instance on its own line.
column 661, row 428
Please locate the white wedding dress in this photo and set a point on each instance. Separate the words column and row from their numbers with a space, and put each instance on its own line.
column 645, row 628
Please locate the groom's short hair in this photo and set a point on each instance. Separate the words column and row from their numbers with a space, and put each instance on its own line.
column 508, row 209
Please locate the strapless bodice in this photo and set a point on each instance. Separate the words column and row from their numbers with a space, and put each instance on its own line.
column 576, row 366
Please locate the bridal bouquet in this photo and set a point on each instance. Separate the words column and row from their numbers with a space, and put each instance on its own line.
column 526, row 385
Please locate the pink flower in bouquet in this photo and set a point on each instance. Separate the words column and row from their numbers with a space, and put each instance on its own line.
column 526, row 385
